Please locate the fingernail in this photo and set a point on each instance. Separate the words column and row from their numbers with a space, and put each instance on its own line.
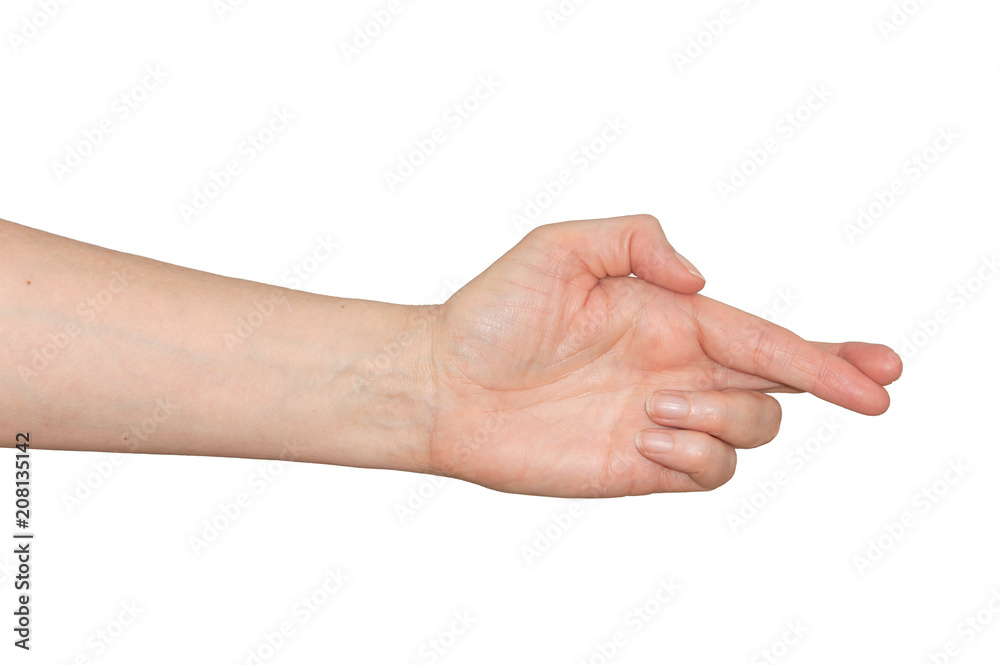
column 654, row 441
column 690, row 266
column 668, row 406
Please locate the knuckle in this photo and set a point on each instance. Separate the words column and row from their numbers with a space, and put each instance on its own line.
column 825, row 376
column 766, row 420
column 710, row 409
column 540, row 231
column 646, row 219
column 711, row 462
column 719, row 466
column 551, row 233
column 762, row 345
column 700, row 455
column 729, row 469
column 774, row 421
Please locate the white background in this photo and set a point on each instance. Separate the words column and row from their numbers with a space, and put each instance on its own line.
column 804, row 554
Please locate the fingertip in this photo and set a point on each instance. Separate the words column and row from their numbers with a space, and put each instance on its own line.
column 668, row 271
column 655, row 260
column 889, row 367
column 687, row 281
column 878, row 405
column 694, row 272
column 883, row 406
column 893, row 365
column 697, row 284
column 877, row 361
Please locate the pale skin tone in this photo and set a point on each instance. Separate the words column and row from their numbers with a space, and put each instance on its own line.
column 550, row 373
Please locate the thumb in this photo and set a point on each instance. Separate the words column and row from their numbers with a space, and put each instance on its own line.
column 618, row 247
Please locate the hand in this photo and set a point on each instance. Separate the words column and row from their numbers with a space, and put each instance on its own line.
column 554, row 359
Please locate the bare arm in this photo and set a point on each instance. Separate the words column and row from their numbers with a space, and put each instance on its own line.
column 108, row 351
column 554, row 372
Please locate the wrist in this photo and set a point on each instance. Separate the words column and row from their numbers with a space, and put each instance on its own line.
column 390, row 383
column 343, row 381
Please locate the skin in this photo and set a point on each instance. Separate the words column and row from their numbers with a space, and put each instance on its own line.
column 565, row 351
column 535, row 378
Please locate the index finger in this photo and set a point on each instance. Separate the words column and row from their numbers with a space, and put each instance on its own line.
column 750, row 344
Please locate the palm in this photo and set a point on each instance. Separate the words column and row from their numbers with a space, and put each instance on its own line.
column 562, row 380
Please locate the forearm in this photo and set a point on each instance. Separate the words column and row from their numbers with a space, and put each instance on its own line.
column 108, row 351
